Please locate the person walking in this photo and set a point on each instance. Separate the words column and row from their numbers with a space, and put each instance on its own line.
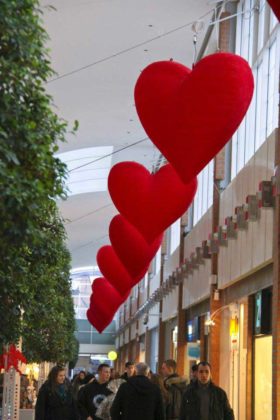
column 103, row 411
column 138, row 398
column 158, row 380
column 78, row 382
column 129, row 370
column 55, row 398
column 176, row 386
column 203, row 400
column 91, row 395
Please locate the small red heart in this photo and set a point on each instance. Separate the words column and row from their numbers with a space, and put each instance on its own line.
column 190, row 115
column 150, row 202
column 114, row 271
column 104, row 303
column 130, row 246
column 275, row 5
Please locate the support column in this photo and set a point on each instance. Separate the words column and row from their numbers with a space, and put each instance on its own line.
column 161, row 325
column 181, row 343
column 219, row 175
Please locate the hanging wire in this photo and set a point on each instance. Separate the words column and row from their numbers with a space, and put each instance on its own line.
column 88, row 214
column 126, row 50
column 109, row 154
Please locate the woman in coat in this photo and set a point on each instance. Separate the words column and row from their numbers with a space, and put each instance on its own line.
column 55, row 399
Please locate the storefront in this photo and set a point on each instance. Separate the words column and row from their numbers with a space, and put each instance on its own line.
column 262, row 350
column 246, row 345
column 197, row 348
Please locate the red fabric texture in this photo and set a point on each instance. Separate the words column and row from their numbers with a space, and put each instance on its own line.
column 115, row 272
column 275, row 5
column 12, row 358
column 190, row 115
column 104, row 303
column 150, row 202
column 130, row 246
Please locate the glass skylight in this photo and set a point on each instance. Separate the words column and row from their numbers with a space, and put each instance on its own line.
column 88, row 169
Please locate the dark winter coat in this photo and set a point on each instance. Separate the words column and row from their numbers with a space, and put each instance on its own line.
column 219, row 408
column 90, row 397
column 51, row 406
column 138, row 399
column 176, row 386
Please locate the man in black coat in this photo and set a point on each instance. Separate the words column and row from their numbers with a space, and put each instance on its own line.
column 175, row 386
column 203, row 400
column 138, row 398
column 91, row 395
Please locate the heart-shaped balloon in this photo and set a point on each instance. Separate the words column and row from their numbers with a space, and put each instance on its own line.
column 114, row 271
column 130, row 246
column 151, row 202
column 104, row 302
column 98, row 319
column 190, row 115
column 275, row 5
column 103, row 283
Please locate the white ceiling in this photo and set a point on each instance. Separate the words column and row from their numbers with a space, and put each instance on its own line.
column 98, row 49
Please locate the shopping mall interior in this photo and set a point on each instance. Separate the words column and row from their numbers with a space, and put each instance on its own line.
column 141, row 193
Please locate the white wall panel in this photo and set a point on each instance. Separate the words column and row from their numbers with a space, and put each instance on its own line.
column 196, row 286
column 253, row 246
column 170, row 304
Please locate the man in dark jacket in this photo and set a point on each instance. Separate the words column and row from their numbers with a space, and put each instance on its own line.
column 138, row 398
column 129, row 370
column 205, row 401
column 175, row 386
column 91, row 395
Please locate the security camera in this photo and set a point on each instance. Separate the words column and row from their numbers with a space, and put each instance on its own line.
column 145, row 319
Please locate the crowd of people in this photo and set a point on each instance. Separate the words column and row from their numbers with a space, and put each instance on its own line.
column 137, row 394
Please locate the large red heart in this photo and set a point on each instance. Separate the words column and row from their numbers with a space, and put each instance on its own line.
column 114, row 271
column 98, row 320
column 151, row 202
column 190, row 115
column 130, row 246
column 104, row 303
column 275, row 5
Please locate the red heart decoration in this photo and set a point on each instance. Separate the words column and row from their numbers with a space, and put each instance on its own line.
column 151, row 202
column 130, row 246
column 275, row 5
column 98, row 319
column 190, row 115
column 114, row 271
column 104, row 303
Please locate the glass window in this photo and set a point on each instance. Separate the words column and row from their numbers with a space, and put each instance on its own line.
column 175, row 236
column 250, row 127
column 261, row 26
column 238, row 30
column 204, row 196
column 273, row 20
column 158, row 261
column 241, row 145
column 272, row 112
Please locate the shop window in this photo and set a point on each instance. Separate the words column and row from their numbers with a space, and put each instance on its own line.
column 263, row 378
column 263, row 312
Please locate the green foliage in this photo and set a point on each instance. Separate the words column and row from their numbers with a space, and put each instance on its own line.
column 35, row 296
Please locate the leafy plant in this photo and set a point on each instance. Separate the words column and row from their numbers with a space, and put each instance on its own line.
column 35, row 295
